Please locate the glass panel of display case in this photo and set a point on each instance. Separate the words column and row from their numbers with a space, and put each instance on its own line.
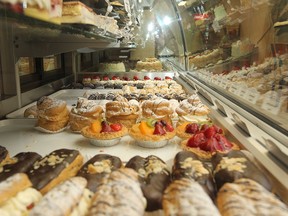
column 51, row 63
column 159, row 34
column 240, row 48
column 26, row 66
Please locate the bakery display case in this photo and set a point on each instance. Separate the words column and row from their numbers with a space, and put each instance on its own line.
column 156, row 98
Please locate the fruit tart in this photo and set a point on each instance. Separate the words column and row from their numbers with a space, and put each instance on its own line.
column 188, row 129
column 102, row 133
column 151, row 133
column 207, row 141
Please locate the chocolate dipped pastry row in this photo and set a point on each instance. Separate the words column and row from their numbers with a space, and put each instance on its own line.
column 154, row 178
column 54, row 168
column 247, row 197
column 120, row 195
column 187, row 197
column 234, row 165
column 189, row 165
column 4, row 155
column 20, row 163
column 98, row 168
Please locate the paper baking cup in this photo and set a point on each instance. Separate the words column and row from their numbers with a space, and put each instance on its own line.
column 104, row 143
column 152, row 144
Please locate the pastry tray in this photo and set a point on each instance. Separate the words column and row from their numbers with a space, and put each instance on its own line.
column 20, row 135
column 68, row 95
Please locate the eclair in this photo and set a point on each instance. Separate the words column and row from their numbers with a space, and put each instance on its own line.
column 98, row 168
column 54, row 168
column 20, row 163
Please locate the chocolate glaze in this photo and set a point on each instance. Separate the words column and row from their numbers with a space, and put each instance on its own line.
column 43, row 172
column 154, row 184
column 94, row 180
column 205, row 180
column 3, row 153
column 250, row 170
column 20, row 163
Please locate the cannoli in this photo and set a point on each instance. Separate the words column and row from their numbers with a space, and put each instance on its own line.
column 120, row 195
column 187, row 197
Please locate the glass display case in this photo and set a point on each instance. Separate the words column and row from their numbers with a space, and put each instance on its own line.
column 232, row 54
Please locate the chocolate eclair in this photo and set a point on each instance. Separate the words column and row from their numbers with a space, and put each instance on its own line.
column 190, row 165
column 154, row 178
column 4, row 155
column 98, row 168
column 234, row 165
column 54, row 168
column 20, row 163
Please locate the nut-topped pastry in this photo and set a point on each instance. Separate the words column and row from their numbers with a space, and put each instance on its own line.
column 152, row 133
column 104, row 133
column 154, row 177
column 54, row 168
column 85, row 112
column 124, row 112
column 98, row 168
column 208, row 141
column 190, row 165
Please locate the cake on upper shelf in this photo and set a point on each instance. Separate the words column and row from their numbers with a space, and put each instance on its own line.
column 112, row 67
column 149, row 64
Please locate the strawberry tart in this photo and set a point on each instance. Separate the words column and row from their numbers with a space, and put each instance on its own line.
column 103, row 133
column 207, row 141
column 152, row 133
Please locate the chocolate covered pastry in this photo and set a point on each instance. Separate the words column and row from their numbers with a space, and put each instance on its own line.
column 191, row 166
column 154, row 178
column 20, row 163
column 234, row 165
column 4, row 155
column 54, row 168
column 98, row 168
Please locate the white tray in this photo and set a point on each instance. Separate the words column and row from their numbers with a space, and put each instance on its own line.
column 19, row 135
column 68, row 95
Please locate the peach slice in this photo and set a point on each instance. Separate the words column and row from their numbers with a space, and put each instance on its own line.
column 145, row 129
column 96, row 126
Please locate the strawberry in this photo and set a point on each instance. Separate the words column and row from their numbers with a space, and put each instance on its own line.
column 192, row 128
column 146, row 78
column 115, row 78
column 168, row 78
column 105, row 127
column 169, row 127
column 106, row 78
column 125, row 78
column 204, row 127
column 116, row 126
column 223, row 141
column 218, row 129
column 135, row 77
column 159, row 129
column 196, row 140
column 210, row 132
column 210, row 145
column 157, row 78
